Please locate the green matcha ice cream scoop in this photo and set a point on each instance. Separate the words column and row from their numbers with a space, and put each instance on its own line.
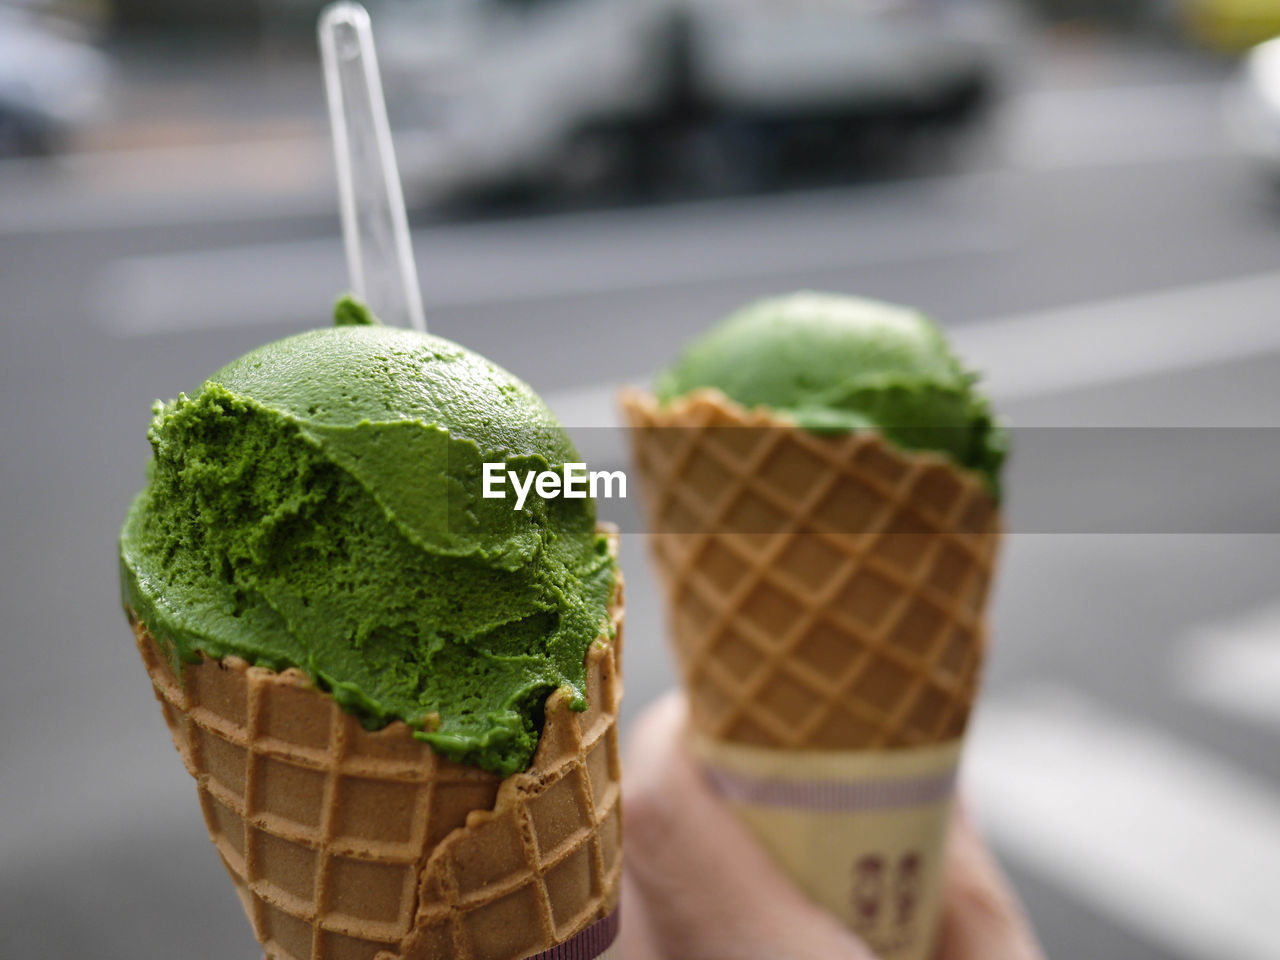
column 317, row 504
column 833, row 364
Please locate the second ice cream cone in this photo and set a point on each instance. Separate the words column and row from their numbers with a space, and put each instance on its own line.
column 826, row 600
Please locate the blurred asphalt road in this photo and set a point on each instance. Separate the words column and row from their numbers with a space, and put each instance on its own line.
column 1105, row 256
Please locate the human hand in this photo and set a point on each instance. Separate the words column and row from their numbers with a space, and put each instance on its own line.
column 698, row 886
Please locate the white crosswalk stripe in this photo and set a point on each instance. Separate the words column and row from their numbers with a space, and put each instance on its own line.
column 1170, row 842
column 1234, row 667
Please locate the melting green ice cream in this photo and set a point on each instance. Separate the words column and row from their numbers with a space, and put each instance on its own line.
column 834, row 364
column 317, row 504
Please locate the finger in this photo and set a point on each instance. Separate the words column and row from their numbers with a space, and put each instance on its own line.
column 982, row 918
column 711, row 891
column 635, row 935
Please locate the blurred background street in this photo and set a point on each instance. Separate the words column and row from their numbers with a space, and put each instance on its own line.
column 1082, row 193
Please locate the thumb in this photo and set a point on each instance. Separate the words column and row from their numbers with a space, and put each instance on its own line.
column 710, row 892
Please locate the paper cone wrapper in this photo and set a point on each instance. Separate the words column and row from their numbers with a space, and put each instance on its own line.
column 826, row 598
column 862, row 833
column 346, row 844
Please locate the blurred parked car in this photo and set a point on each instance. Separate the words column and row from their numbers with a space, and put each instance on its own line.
column 49, row 84
column 575, row 92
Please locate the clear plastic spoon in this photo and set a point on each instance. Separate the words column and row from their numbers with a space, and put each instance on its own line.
column 375, row 226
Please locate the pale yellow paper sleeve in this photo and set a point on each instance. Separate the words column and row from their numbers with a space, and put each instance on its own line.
column 861, row 832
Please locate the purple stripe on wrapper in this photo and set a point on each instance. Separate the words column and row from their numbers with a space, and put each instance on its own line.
column 588, row 944
column 832, row 795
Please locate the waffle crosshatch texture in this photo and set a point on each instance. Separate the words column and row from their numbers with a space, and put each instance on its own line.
column 346, row 844
column 824, row 591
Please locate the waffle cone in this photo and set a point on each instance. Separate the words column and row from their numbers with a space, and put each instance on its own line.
column 825, row 592
column 346, row 844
